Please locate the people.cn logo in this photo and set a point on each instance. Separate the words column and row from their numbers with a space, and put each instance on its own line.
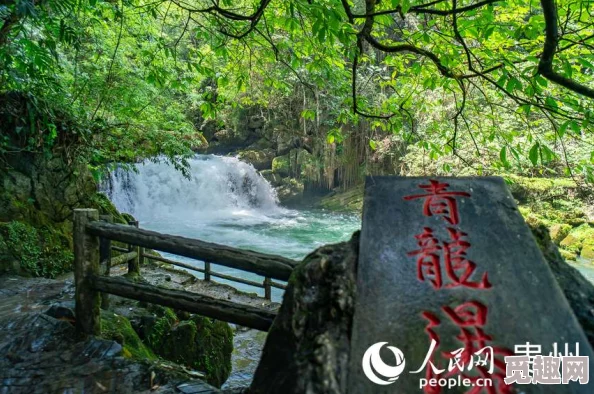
column 372, row 361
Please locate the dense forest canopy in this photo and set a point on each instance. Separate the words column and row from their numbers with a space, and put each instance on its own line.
column 474, row 86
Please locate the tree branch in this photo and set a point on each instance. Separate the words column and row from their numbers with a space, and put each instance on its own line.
column 545, row 65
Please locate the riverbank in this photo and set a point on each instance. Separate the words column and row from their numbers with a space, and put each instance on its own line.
column 36, row 324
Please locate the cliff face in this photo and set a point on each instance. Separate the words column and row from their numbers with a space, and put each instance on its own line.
column 42, row 179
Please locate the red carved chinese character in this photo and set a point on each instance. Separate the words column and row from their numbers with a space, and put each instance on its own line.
column 470, row 317
column 439, row 201
column 457, row 267
column 428, row 261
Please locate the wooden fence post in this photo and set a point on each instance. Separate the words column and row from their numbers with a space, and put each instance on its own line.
column 134, row 264
column 86, row 262
column 105, row 259
column 267, row 289
column 207, row 271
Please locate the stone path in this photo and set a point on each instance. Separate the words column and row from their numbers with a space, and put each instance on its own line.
column 43, row 354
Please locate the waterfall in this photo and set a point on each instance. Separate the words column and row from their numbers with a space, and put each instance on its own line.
column 218, row 189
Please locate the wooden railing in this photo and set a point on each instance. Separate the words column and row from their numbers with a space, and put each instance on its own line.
column 93, row 262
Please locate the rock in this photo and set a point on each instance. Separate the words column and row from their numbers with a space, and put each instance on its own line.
column 261, row 144
column 308, row 345
column 525, row 189
column 200, row 343
column 578, row 291
column 587, row 252
column 118, row 328
column 577, row 221
column 344, row 201
column 559, row 232
column 61, row 313
column 273, row 178
column 225, row 137
column 42, row 355
column 567, row 255
column 256, row 122
column 290, row 191
column 307, row 348
column 261, row 160
column 208, row 128
column 571, row 243
column 574, row 241
column 281, row 166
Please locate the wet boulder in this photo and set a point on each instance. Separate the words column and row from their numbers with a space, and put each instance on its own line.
column 200, row 343
column 260, row 159
column 308, row 345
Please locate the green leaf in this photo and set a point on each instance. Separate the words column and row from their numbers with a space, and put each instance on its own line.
column 551, row 103
column 330, row 138
column 405, row 6
column 533, row 154
column 503, row 155
column 373, row 144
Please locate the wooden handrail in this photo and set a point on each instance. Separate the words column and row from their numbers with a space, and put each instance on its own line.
column 245, row 315
column 272, row 266
column 202, row 270
column 123, row 258
column 92, row 246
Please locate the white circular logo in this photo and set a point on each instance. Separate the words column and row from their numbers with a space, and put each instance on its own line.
column 372, row 358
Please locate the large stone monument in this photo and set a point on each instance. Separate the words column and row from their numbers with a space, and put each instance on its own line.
column 450, row 282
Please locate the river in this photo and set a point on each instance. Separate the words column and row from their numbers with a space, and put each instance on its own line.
column 225, row 201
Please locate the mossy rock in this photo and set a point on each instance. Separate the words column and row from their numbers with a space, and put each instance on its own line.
column 101, row 202
column 559, row 232
column 574, row 241
column 567, row 255
column 118, row 328
column 200, row 343
column 290, row 191
column 347, row 201
column 526, row 189
column 30, row 251
column 260, row 159
column 587, row 252
column 281, row 166
column 273, row 178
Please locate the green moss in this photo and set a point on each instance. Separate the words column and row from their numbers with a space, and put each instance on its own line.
column 587, row 252
column 200, row 343
column 559, row 232
column 260, row 159
column 41, row 252
column 118, row 328
column 281, row 165
column 527, row 189
column 548, row 201
column 347, row 201
column 574, row 241
column 166, row 319
column 567, row 255
column 101, row 202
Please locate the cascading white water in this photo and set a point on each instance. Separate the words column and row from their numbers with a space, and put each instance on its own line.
column 218, row 189
column 225, row 201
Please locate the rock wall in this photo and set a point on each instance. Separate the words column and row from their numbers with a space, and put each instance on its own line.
column 37, row 197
